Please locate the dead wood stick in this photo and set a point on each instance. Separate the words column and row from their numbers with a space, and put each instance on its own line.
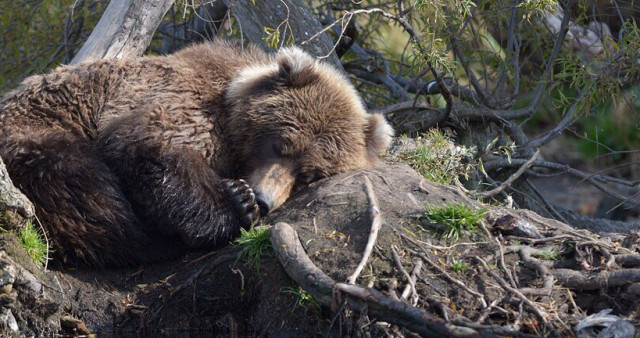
column 438, row 247
column 594, row 281
column 497, row 329
column 515, row 292
column 301, row 269
column 417, row 267
column 423, row 256
column 503, row 265
column 453, row 280
column 374, row 301
column 124, row 30
column 376, row 223
column 544, row 292
column 539, row 240
column 398, row 262
column 511, row 178
column 628, row 260
column 485, row 313
column 402, row 106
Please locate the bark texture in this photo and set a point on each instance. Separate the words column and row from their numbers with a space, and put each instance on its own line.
column 125, row 29
column 288, row 17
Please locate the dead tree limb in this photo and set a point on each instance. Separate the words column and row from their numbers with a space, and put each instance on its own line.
column 594, row 281
column 512, row 178
column 124, row 30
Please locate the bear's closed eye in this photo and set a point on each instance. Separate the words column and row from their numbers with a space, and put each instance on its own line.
column 307, row 177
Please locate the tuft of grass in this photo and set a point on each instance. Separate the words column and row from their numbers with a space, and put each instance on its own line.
column 33, row 243
column 548, row 255
column 303, row 299
column 439, row 160
column 458, row 266
column 254, row 244
column 455, row 218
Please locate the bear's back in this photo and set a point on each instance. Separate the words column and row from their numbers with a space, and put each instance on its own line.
column 84, row 98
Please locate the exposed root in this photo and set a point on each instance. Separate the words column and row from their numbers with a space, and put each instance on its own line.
column 376, row 223
column 300, row 268
column 594, row 281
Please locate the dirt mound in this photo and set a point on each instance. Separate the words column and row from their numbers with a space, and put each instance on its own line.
column 517, row 274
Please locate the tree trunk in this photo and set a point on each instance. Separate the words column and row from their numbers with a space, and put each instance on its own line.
column 289, row 18
column 125, row 29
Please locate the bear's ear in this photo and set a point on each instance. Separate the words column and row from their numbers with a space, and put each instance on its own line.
column 378, row 134
column 296, row 67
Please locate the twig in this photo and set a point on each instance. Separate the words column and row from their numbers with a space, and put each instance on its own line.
column 511, row 55
column 503, row 265
column 569, row 117
column 460, row 284
column 46, row 240
column 417, row 267
column 487, row 311
column 611, row 260
column 439, row 247
column 432, row 326
column 410, row 281
column 402, row 106
column 515, row 292
column 507, row 331
column 512, row 178
column 239, row 272
column 594, row 180
column 453, row 280
column 376, row 223
column 576, row 308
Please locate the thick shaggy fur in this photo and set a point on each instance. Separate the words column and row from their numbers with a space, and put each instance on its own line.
column 124, row 157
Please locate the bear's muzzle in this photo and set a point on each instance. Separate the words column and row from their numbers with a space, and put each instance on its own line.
column 272, row 184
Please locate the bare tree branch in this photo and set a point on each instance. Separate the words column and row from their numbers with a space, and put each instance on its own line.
column 124, row 30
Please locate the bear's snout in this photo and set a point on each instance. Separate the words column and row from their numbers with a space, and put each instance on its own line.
column 272, row 184
column 264, row 204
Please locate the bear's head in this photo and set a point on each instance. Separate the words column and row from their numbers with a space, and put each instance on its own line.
column 294, row 120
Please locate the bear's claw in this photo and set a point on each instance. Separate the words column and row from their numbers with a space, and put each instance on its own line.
column 243, row 200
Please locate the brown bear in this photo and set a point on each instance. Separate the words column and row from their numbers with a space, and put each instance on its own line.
column 128, row 161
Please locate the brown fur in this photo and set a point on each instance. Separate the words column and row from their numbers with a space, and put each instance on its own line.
column 120, row 156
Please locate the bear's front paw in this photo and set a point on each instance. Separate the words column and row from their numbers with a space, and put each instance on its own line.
column 243, row 201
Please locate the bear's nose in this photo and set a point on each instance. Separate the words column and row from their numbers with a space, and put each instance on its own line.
column 264, row 204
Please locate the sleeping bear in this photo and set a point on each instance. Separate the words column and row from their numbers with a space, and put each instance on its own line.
column 128, row 161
